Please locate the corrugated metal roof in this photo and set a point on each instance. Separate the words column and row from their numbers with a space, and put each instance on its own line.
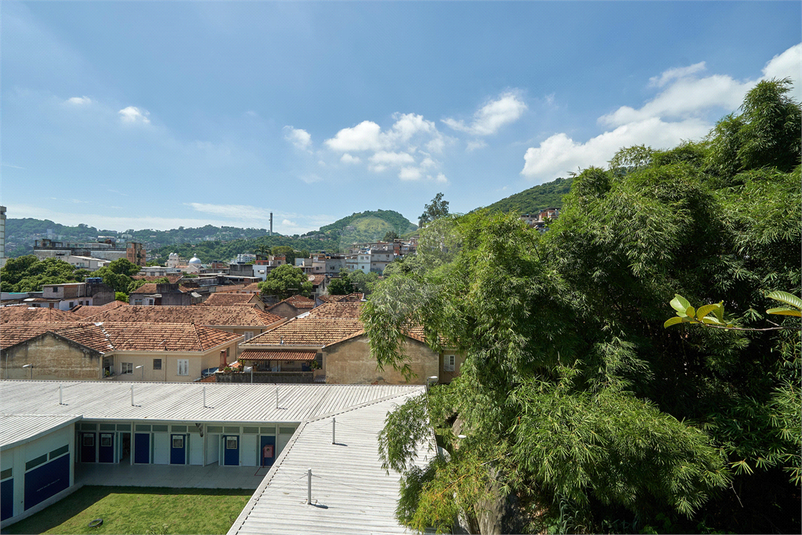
column 19, row 428
column 350, row 490
column 110, row 400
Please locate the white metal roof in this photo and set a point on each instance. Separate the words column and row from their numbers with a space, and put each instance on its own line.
column 111, row 400
column 20, row 428
column 350, row 491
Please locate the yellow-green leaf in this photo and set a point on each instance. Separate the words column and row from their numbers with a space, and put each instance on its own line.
column 690, row 311
column 705, row 310
column 672, row 321
column 784, row 297
column 785, row 311
column 680, row 304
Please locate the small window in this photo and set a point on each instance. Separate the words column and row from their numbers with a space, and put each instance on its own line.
column 157, row 364
column 178, row 442
column 36, row 462
column 105, row 440
column 58, row 452
column 231, row 443
column 248, row 335
column 449, row 363
column 89, row 441
column 126, row 367
column 183, row 367
column 5, row 474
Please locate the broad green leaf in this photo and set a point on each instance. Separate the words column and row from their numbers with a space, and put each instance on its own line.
column 719, row 311
column 705, row 310
column 785, row 311
column 672, row 321
column 680, row 304
column 789, row 299
column 711, row 320
column 690, row 311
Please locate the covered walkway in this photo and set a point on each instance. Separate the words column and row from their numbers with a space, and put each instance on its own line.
column 212, row 476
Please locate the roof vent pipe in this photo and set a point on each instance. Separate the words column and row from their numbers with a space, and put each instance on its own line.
column 204, row 397
column 132, row 396
column 309, row 487
column 60, row 396
column 333, row 424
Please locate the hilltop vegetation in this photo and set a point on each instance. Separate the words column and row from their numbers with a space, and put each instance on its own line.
column 536, row 198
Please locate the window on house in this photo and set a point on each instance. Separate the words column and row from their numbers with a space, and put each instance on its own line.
column 157, row 364
column 449, row 362
column 126, row 367
column 137, row 301
column 183, row 367
column 248, row 335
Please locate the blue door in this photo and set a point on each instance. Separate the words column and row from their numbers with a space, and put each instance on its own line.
column 106, row 449
column 178, row 449
column 47, row 480
column 7, row 499
column 87, row 447
column 142, row 448
column 268, row 450
column 231, row 450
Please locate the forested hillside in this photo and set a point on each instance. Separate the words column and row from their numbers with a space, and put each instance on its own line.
column 536, row 198
column 579, row 408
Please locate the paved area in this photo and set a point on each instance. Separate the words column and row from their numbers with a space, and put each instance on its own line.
column 212, row 476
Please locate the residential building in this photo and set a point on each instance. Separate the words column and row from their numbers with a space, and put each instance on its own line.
column 164, row 294
column 86, row 262
column 106, row 249
column 292, row 306
column 135, row 253
column 65, row 296
column 172, row 352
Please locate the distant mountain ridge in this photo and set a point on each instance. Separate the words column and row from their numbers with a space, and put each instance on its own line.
column 536, row 198
column 210, row 242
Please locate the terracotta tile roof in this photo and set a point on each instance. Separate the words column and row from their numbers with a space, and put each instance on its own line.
column 230, row 288
column 172, row 279
column 299, row 301
column 105, row 337
column 247, row 316
column 87, row 310
column 350, row 298
column 23, row 313
column 277, row 355
column 152, row 288
column 306, row 332
column 316, row 280
column 337, row 310
column 252, row 287
column 230, row 299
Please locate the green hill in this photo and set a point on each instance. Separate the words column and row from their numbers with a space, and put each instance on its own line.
column 534, row 199
column 373, row 222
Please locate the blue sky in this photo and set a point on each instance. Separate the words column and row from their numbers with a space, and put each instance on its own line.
column 159, row 114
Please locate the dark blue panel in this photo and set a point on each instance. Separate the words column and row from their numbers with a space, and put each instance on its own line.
column 268, row 451
column 178, row 454
column 7, row 499
column 88, row 447
column 142, row 448
column 47, row 480
column 106, row 448
column 231, row 455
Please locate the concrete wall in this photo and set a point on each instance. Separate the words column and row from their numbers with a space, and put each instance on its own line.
column 350, row 362
column 169, row 365
column 52, row 357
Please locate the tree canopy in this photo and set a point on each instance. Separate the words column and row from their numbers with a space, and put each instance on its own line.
column 574, row 404
column 435, row 209
column 285, row 281
column 29, row 274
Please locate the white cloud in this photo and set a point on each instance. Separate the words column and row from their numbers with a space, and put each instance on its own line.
column 428, row 162
column 298, row 137
column 409, row 173
column 507, row 108
column 673, row 74
column 441, row 178
column 288, row 223
column 391, row 158
column 232, row 210
column 310, row 178
column 559, row 154
column 79, row 101
column 377, row 168
column 436, row 145
column 132, row 114
column 348, row 159
column 364, row 136
column 475, row 144
column 787, row 65
column 678, row 112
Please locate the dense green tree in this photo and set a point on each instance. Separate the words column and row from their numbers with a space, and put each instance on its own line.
column 29, row 274
column 390, row 236
column 121, row 296
column 118, row 275
column 285, row 281
column 287, row 251
column 434, row 210
column 573, row 399
column 340, row 286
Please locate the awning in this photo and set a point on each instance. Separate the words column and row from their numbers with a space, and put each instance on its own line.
column 277, row 355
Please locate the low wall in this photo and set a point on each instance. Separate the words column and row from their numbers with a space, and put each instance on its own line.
column 265, row 377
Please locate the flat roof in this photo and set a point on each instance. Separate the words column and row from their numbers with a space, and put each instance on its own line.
column 111, row 400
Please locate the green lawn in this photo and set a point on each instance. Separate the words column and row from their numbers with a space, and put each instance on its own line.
column 139, row 510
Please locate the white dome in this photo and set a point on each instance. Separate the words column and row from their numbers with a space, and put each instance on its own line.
column 195, row 260
column 173, row 255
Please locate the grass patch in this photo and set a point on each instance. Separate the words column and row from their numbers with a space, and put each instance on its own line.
column 139, row 510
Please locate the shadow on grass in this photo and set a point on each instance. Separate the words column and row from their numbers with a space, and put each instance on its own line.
column 81, row 500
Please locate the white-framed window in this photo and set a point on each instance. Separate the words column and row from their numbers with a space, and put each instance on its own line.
column 126, row 367
column 183, row 367
column 248, row 335
column 449, row 363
